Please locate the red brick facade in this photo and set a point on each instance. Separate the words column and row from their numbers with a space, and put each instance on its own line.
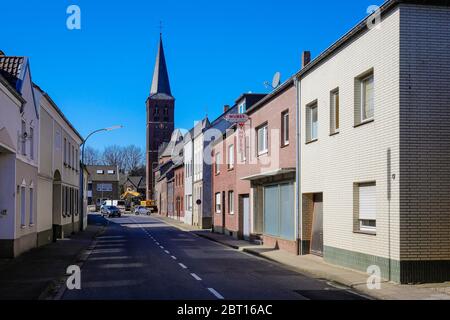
column 178, row 197
column 225, row 220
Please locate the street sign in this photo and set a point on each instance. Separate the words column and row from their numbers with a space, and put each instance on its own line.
column 237, row 118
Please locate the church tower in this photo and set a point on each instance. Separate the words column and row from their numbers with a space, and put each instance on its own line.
column 160, row 115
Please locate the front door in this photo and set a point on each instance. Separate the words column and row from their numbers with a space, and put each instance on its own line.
column 246, row 217
column 317, row 227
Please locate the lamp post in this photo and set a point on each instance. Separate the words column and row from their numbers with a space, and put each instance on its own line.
column 82, row 167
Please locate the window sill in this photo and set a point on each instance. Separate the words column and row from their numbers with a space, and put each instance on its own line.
column 334, row 133
column 366, row 232
column 312, row 141
column 23, row 227
column 364, row 123
column 31, row 225
column 230, row 169
column 284, row 145
column 264, row 153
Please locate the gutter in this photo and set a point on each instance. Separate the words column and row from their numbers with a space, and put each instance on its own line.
column 298, row 200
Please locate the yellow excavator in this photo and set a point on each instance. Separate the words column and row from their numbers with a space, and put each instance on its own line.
column 133, row 196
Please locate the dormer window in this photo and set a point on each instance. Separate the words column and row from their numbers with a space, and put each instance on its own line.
column 242, row 107
column 100, row 172
column 111, row 172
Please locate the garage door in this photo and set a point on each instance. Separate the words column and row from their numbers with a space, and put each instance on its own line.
column 279, row 216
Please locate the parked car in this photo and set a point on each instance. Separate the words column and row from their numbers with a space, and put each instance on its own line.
column 111, row 211
column 141, row 210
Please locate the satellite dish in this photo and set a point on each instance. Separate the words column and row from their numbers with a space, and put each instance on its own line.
column 276, row 80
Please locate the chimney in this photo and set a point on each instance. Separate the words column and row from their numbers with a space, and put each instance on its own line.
column 2, row 54
column 226, row 108
column 306, row 58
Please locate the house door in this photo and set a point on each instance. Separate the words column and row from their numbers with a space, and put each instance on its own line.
column 246, row 217
column 317, row 227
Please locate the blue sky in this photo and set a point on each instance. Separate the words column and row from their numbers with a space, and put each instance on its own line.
column 215, row 50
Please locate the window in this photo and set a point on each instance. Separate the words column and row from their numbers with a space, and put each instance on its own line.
column 242, row 108
column 65, row 151
column 367, row 207
column 31, row 144
column 262, row 138
column 231, row 202
column 218, row 203
column 285, row 128
column 231, row 157
column 77, row 160
column 23, row 140
column 312, row 122
column 22, row 206
column 31, row 207
column 334, row 111
column 100, row 171
column 73, row 156
column 367, row 98
column 111, row 172
column 69, row 158
column 218, row 162
column 189, row 203
column 364, row 98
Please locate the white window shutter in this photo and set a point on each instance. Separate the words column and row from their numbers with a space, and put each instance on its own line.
column 367, row 202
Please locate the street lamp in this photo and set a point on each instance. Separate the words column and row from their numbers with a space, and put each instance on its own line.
column 82, row 167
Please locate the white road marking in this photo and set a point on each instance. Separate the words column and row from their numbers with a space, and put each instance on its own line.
column 166, row 251
column 216, row 294
column 196, row 277
column 183, row 266
column 174, row 258
column 161, row 247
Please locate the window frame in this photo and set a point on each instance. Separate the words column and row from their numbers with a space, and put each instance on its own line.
column 264, row 127
column 217, row 163
column 309, row 122
column 218, row 203
column 335, row 111
column 361, row 225
column 231, row 202
column 230, row 159
column 23, row 140
column 285, row 128
column 362, row 106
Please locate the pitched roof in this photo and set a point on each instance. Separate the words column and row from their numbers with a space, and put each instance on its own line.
column 160, row 83
column 11, row 68
column 167, row 150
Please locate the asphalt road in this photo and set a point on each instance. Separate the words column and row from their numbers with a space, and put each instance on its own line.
column 143, row 258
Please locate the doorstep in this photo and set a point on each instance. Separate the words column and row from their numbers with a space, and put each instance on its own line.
column 316, row 267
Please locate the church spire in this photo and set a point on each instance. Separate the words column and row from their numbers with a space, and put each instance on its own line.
column 160, row 82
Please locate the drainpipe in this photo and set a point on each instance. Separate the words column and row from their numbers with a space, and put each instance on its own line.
column 298, row 202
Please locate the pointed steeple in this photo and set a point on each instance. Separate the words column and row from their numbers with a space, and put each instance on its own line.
column 160, row 82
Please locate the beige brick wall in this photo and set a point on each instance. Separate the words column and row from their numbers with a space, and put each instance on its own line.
column 357, row 154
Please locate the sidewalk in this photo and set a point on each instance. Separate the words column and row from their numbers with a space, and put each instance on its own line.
column 35, row 274
column 315, row 267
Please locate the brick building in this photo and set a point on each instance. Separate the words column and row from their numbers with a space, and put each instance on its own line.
column 375, row 147
column 160, row 116
column 103, row 184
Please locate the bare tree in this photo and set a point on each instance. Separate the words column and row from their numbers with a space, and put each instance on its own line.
column 114, row 156
column 91, row 156
column 133, row 158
